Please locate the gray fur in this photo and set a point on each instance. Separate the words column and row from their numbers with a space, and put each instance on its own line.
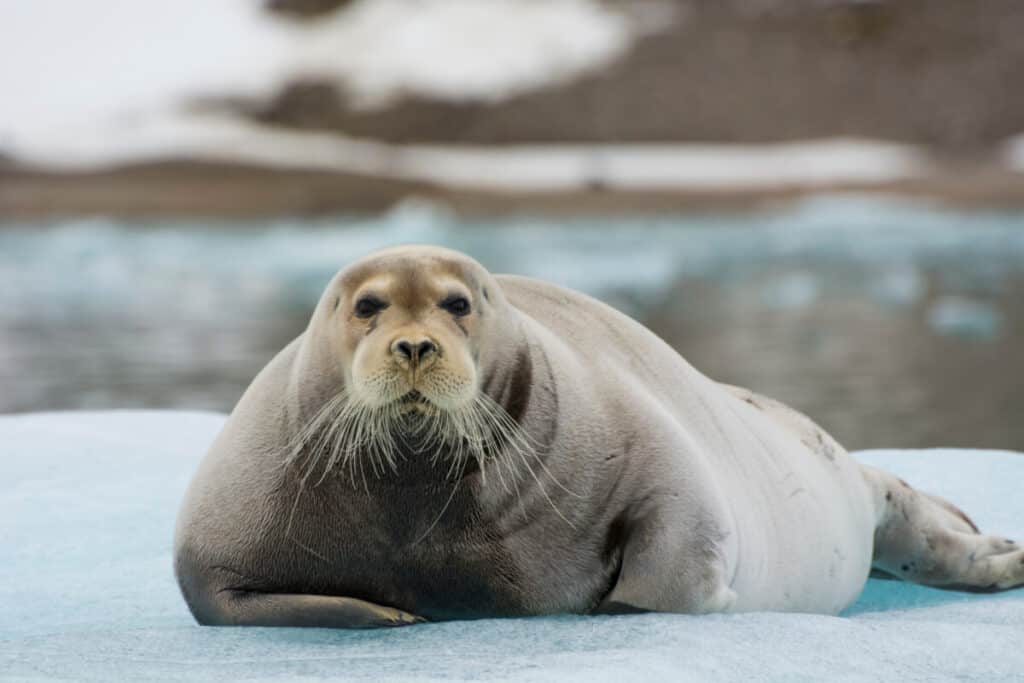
column 649, row 486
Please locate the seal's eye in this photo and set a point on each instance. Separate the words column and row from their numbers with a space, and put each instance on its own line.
column 456, row 305
column 369, row 306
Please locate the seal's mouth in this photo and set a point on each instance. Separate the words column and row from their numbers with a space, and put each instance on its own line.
column 414, row 403
column 414, row 397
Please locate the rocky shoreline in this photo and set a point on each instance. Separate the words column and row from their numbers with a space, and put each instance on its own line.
column 173, row 189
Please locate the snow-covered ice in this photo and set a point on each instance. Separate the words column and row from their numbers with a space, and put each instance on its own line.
column 52, row 270
column 87, row 506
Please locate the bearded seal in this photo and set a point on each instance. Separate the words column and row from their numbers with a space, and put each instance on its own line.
column 441, row 443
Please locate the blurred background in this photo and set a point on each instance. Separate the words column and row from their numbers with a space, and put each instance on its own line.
column 822, row 200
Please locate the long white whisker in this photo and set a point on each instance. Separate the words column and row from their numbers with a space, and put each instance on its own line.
column 350, row 436
column 451, row 496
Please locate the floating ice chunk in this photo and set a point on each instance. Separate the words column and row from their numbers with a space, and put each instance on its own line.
column 963, row 317
column 898, row 286
column 791, row 292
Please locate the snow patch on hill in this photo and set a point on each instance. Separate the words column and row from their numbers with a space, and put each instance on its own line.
column 92, row 68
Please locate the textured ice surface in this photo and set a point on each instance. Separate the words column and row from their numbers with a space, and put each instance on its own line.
column 87, row 507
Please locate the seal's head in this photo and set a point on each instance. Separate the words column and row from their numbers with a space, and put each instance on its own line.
column 406, row 331
column 410, row 321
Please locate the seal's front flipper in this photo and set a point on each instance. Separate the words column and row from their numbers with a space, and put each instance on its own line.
column 250, row 608
column 670, row 563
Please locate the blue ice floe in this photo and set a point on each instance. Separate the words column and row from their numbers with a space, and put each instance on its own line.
column 87, row 508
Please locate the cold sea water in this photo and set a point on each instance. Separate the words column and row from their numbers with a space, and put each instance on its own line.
column 892, row 324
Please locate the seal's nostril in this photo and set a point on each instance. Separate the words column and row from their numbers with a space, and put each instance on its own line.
column 404, row 348
column 425, row 348
column 415, row 350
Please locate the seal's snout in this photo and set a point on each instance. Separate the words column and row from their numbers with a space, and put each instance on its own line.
column 414, row 351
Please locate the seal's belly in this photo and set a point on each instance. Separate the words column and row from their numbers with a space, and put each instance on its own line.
column 441, row 583
column 798, row 505
column 438, row 583
column 348, row 545
column 805, row 542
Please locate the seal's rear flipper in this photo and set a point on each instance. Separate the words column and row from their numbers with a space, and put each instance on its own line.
column 250, row 608
column 925, row 539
